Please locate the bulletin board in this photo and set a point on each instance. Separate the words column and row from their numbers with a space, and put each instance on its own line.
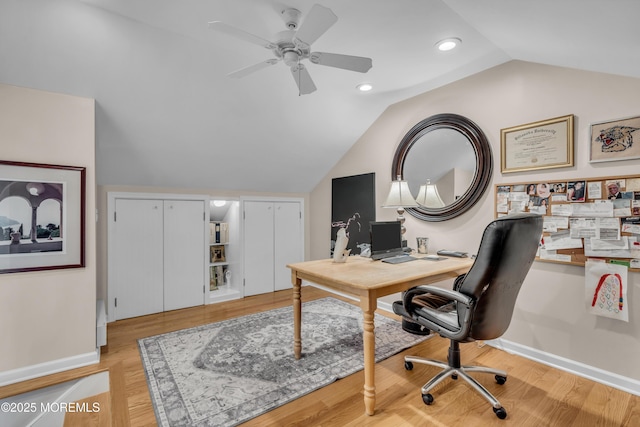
column 584, row 218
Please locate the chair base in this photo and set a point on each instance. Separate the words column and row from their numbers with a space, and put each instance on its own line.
column 462, row 372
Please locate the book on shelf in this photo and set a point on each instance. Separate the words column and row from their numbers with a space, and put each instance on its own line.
column 218, row 232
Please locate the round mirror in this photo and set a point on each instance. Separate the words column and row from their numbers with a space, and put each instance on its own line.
column 446, row 160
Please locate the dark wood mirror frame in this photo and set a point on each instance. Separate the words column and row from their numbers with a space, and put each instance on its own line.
column 484, row 163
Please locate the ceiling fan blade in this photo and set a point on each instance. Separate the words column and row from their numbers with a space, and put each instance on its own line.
column 318, row 20
column 243, row 72
column 346, row 62
column 303, row 79
column 241, row 34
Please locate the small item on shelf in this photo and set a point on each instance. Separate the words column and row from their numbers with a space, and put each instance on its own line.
column 217, row 254
column 212, row 279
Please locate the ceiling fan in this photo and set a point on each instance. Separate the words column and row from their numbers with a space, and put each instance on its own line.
column 294, row 45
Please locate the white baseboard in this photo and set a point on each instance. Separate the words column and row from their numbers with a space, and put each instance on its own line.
column 48, row 368
column 610, row 379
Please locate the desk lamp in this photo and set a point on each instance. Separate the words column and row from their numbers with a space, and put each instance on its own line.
column 400, row 197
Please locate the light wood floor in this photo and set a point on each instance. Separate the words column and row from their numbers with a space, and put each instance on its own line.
column 534, row 394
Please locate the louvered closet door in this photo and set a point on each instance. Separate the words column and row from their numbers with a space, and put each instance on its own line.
column 287, row 242
column 183, row 253
column 138, row 253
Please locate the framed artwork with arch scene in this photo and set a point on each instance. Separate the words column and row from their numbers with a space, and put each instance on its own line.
column 42, row 216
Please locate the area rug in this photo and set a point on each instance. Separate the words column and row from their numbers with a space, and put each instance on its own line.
column 225, row 373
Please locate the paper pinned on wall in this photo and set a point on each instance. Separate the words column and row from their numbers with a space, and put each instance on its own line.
column 552, row 224
column 609, row 253
column 561, row 240
column 562, row 210
column 631, row 225
column 600, row 208
column 606, row 290
column 597, row 228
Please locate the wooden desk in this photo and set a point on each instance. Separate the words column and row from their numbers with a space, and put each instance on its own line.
column 368, row 280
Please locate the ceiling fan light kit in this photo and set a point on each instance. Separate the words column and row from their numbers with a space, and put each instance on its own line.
column 294, row 45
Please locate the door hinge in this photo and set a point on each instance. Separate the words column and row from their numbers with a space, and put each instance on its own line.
column 203, row 289
column 116, row 301
column 114, row 216
column 244, row 282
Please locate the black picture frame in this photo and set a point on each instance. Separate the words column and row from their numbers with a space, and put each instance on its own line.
column 42, row 216
column 352, row 208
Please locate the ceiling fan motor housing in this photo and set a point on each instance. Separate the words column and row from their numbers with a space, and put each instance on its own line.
column 291, row 18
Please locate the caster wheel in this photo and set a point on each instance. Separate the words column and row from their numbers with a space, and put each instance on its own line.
column 408, row 366
column 500, row 379
column 500, row 413
column 428, row 399
column 454, row 377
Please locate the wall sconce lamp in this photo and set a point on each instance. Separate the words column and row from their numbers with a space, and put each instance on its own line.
column 400, row 197
column 428, row 196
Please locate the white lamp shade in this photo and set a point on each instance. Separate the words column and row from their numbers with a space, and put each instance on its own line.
column 428, row 196
column 399, row 196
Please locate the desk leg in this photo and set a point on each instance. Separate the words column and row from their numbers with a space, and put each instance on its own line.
column 297, row 317
column 368, row 306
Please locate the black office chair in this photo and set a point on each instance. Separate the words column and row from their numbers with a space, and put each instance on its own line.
column 481, row 303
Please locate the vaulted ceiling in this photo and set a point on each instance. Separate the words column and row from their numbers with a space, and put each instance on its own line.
column 168, row 115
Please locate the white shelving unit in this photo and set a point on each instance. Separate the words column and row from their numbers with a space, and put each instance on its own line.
column 224, row 256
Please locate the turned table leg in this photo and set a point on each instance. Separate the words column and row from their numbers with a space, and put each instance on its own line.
column 368, row 306
column 297, row 316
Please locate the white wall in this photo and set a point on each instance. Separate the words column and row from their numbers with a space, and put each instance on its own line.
column 550, row 315
column 48, row 318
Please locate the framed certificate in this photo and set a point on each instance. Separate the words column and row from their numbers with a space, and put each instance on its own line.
column 541, row 145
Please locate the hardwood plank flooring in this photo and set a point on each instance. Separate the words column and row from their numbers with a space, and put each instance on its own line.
column 534, row 395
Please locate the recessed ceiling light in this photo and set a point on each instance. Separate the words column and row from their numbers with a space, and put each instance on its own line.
column 219, row 203
column 448, row 44
column 364, row 87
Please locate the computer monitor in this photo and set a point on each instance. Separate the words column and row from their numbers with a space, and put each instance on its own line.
column 386, row 239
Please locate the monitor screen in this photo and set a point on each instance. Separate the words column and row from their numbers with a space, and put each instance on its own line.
column 385, row 237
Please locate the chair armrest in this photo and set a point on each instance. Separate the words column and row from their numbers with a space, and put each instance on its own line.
column 446, row 293
column 437, row 319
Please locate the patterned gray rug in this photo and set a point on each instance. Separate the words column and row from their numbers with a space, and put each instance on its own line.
column 225, row 373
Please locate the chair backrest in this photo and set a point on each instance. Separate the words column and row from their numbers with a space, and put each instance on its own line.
column 507, row 250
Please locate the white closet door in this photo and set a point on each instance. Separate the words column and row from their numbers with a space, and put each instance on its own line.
column 258, row 247
column 287, row 241
column 138, row 243
column 183, row 253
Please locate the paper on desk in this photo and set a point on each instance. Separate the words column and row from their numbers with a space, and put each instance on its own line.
column 561, row 240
